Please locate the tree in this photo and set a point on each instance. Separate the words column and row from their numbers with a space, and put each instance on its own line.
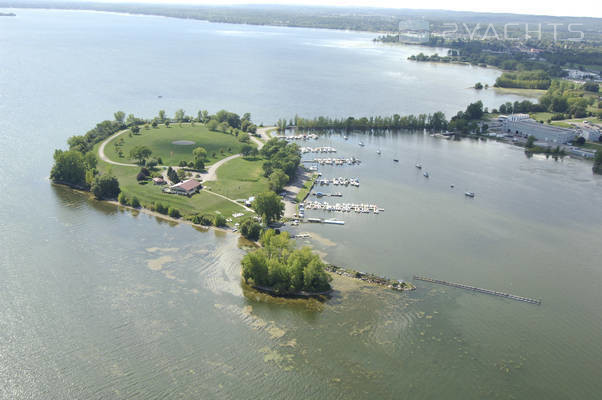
column 135, row 202
column 135, row 129
column 140, row 153
column 212, row 125
column 591, row 87
column 161, row 116
column 105, row 187
column 255, row 266
column 131, row 120
column 244, row 137
column 277, row 180
column 119, row 116
column 246, row 150
column 69, row 167
column 179, row 116
column 122, row 198
column 478, row 86
column 530, row 141
column 250, row 229
column 269, row 206
column 200, row 153
column 172, row 175
column 219, row 220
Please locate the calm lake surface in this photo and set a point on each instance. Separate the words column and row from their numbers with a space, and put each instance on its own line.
column 100, row 303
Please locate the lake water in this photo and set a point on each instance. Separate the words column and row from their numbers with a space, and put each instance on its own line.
column 99, row 303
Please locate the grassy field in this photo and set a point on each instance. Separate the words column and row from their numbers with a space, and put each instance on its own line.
column 203, row 202
column 306, row 188
column 533, row 93
column 160, row 139
column 544, row 116
column 593, row 146
column 240, row 178
column 200, row 203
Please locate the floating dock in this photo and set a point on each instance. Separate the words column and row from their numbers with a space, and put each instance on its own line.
column 476, row 289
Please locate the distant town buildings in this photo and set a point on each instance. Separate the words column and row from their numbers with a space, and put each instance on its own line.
column 577, row 75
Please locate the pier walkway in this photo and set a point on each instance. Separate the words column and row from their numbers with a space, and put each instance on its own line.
column 476, row 289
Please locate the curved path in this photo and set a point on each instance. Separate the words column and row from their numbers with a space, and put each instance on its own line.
column 101, row 150
column 209, row 175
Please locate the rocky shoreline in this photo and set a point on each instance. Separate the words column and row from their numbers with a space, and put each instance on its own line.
column 392, row 284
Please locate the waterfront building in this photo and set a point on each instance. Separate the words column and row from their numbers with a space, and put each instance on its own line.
column 523, row 125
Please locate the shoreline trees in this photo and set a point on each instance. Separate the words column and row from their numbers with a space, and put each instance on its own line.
column 278, row 266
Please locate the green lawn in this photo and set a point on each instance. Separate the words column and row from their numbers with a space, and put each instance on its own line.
column 544, row 116
column 533, row 93
column 307, row 185
column 202, row 202
column 593, row 146
column 240, row 178
column 160, row 139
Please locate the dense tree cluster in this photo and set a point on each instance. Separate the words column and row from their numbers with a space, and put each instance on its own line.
column 284, row 269
column 280, row 155
column 524, row 79
column 105, row 187
column 466, row 121
column 250, row 229
column 269, row 206
column 563, row 98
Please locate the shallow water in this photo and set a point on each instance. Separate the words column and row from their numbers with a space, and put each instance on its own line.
column 102, row 303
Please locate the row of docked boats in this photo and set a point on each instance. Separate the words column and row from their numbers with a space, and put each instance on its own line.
column 337, row 161
column 340, row 181
column 343, row 207
column 309, row 136
column 323, row 149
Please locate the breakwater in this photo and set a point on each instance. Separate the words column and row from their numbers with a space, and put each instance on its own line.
column 393, row 284
column 480, row 290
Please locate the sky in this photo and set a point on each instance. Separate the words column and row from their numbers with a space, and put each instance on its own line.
column 580, row 8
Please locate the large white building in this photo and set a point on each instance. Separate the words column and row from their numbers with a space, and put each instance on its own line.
column 522, row 125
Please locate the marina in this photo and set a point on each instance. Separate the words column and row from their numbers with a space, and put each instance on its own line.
column 480, row 290
column 309, row 136
column 339, row 182
column 334, row 161
column 360, row 208
column 324, row 149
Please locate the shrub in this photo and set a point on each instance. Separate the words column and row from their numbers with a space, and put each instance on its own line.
column 160, row 208
column 122, row 199
column 250, row 229
column 206, row 220
column 135, row 202
column 219, row 220
column 105, row 187
column 173, row 212
column 183, row 163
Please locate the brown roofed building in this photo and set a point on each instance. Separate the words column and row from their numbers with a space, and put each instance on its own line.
column 187, row 187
